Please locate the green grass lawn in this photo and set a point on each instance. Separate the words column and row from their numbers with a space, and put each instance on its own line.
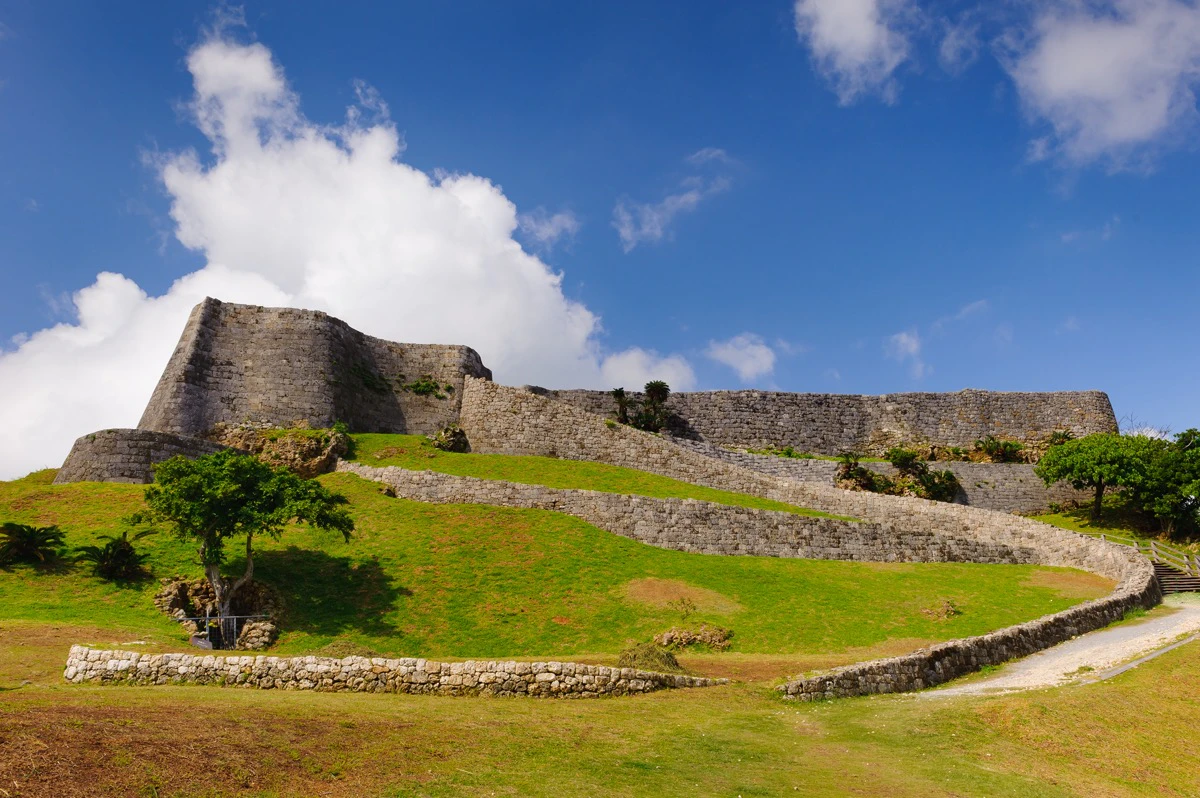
column 1115, row 520
column 1133, row 735
column 415, row 452
column 476, row 581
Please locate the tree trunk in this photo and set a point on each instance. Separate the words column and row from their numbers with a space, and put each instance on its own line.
column 1099, row 501
column 224, row 593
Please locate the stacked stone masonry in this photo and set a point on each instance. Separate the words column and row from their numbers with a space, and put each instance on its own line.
column 834, row 423
column 514, row 421
column 126, row 455
column 1006, row 487
column 704, row 527
column 375, row 675
column 279, row 366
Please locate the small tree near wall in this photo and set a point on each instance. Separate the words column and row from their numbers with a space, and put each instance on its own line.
column 214, row 499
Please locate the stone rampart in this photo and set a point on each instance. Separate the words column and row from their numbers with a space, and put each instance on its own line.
column 375, row 675
column 279, row 366
column 126, row 455
column 704, row 527
column 834, row 423
column 1006, row 487
column 512, row 421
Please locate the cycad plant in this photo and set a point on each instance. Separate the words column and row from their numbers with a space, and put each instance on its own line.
column 26, row 543
column 116, row 559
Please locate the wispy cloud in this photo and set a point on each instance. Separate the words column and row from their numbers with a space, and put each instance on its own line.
column 649, row 222
column 747, row 354
column 960, row 43
column 905, row 347
column 857, row 45
column 546, row 229
column 965, row 312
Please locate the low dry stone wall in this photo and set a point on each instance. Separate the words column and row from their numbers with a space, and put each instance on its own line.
column 835, row 423
column 513, row 421
column 1006, row 487
column 126, row 455
column 703, row 527
column 375, row 675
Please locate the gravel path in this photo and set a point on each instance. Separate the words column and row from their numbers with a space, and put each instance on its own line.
column 1094, row 656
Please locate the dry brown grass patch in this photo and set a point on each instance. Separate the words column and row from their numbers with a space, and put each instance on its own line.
column 1071, row 583
column 662, row 592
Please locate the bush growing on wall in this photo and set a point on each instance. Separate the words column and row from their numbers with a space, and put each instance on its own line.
column 651, row 414
column 913, row 478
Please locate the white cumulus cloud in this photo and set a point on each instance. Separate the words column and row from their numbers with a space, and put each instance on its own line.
column 857, row 45
column 1114, row 80
column 905, row 347
column 747, row 354
column 289, row 212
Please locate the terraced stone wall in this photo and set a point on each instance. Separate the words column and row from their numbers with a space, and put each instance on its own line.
column 834, row 423
column 704, row 527
column 126, row 455
column 279, row 366
column 512, row 421
column 375, row 675
column 1006, row 487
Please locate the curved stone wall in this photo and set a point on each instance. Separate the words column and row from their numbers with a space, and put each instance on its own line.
column 705, row 527
column 1006, row 487
column 375, row 675
column 835, row 423
column 126, row 455
column 279, row 366
column 512, row 421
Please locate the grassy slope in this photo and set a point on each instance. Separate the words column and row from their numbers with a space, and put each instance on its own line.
column 1133, row 735
column 414, row 452
column 1115, row 520
column 473, row 581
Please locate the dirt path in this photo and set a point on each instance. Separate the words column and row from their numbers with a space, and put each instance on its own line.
column 1091, row 657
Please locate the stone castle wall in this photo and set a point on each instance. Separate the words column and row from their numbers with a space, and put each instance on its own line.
column 704, row 527
column 1006, row 487
column 375, row 675
column 834, row 423
column 513, row 421
column 126, row 455
column 279, row 366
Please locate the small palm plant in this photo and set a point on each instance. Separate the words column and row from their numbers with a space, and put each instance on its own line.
column 116, row 559
column 26, row 543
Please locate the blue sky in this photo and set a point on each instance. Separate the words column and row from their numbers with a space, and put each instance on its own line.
column 861, row 196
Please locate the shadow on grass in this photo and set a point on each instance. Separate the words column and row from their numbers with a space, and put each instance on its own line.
column 327, row 595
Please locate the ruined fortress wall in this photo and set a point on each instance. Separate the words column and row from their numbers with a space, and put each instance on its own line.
column 126, row 455
column 704, row 527
column 374, row 675
column 512, row 421
column 1006, row 487
column 280, row 366
column 835, row 423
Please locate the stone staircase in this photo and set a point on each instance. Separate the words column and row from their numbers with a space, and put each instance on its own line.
column 1173, row 580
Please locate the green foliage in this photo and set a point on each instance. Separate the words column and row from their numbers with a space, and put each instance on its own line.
column 27, row 543
column 425, row 386
column 1169, row 486
column 117, row 558
column 787, row 451
column 1097, row 462
column 914, row 477
column 651, row 414
column 850, row 471
column 213, row 499
column 1059, row 437
column 649, row 657
column 451, row 439
column 370, row 379
column 340, row 428
column 999, row 451
column 906, row 461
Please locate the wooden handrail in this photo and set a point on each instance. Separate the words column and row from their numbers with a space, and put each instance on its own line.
column 1157, row 552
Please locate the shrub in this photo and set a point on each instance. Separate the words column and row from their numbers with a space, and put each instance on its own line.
column 787, row 451
column 116, row 559
column 426, row 386
column 996, row 450
column 622, row 400
column 651, row 415
column 649, row 657
column 451, row 439
column 713, row 637
column 25, row 543
column 1059, row 437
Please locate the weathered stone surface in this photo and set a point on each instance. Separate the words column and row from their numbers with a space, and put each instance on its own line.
column 1007, row 487
column 512, row 421
column 278, row 366
column 835, row 423
column 375, row 675
column 126, row 455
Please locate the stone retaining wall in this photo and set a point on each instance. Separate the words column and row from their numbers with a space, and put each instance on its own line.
column 375, row 675
column 1007, row 487
column 512, row 421
column 126, row 455
column 278, row 366
column 835, row 423
column 704, row 527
